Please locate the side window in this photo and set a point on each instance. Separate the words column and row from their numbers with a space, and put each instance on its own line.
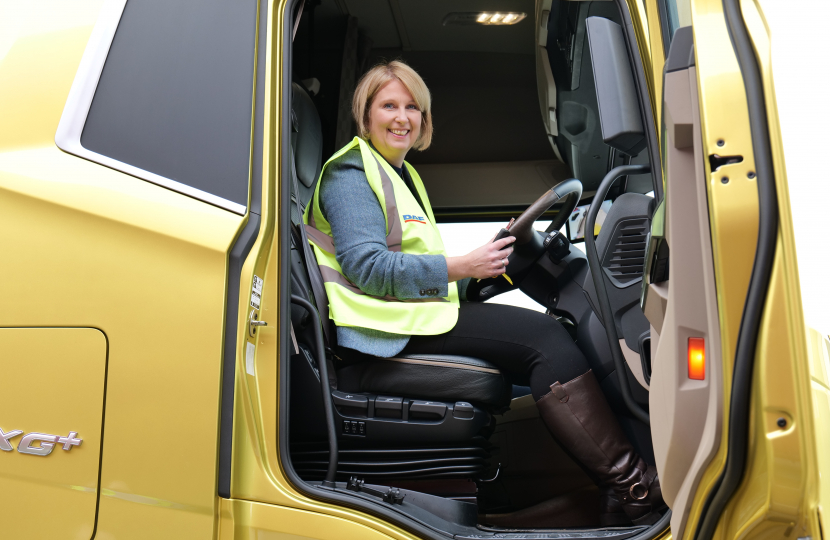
column 678, row 13
column 173, row 101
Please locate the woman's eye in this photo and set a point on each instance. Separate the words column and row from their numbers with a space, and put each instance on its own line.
column 412, row 107
column 388, row 106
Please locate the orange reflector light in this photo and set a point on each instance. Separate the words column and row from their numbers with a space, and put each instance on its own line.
column 697, row 359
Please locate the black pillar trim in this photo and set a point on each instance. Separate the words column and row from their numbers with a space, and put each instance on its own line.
column 646, row 114
column 236, row 258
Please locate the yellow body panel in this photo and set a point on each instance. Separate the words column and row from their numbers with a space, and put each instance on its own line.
column 246, row 520
column 818, row 348
column 89, row 246
column 809, row 348
column 53, row 384
column 775, row 497
column 780, row 493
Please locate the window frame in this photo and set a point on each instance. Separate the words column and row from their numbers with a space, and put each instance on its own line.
column 665, row 27
column 75, row 112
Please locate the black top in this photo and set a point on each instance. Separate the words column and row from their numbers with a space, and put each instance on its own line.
column 404, row 174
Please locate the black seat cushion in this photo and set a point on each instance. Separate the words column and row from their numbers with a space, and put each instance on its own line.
column 437, row 377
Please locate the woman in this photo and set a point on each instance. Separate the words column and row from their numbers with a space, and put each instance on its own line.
column 393, row 290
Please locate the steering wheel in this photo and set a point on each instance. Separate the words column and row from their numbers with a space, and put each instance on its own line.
column 529, row 245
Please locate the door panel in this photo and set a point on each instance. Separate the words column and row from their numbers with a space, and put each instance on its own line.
column 53, row 384
column 685, row 413
column 732, row 220
column 86, row 246
column 747, row 467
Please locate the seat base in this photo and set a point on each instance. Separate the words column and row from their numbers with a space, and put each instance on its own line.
column 439, row 377
column 369, row 418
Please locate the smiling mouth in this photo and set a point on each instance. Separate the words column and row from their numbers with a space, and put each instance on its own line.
column 399, row 132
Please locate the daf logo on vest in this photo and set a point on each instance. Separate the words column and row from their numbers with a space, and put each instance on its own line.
column 28, row 442
column 417, row 219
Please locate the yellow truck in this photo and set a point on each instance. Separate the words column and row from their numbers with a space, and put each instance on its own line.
column 166, row 359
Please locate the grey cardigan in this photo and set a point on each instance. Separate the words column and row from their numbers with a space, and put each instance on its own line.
column 359, row 230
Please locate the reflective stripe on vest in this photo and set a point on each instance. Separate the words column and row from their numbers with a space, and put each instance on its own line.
column 349, row 305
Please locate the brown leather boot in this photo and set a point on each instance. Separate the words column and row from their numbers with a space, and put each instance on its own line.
column 579, row 417
column 611, row 513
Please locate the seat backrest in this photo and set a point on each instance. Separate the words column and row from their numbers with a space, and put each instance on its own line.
column 307, row 153
column 307, row 143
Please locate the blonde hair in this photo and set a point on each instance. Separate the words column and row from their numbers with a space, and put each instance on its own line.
column 378, row 77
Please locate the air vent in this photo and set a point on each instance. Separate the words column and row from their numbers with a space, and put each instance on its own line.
column 624, row 257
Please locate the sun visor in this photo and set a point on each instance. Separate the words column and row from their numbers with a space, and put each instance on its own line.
column 619, row 107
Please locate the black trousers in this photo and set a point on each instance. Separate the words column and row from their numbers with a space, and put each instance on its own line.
column 529, row 346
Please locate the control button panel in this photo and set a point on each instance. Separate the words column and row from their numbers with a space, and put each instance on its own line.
column 351, row 427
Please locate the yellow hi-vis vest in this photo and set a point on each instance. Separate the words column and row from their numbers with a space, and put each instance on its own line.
column 406, row 231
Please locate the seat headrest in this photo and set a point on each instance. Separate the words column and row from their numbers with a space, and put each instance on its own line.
column 308, row 153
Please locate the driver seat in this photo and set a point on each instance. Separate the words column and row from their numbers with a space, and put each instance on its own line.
column 438, row 377
column 434, row 377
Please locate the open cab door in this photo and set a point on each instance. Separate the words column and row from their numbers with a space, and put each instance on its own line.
column 730, row 401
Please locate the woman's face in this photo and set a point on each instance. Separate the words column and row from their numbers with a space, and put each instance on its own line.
column 394, row 122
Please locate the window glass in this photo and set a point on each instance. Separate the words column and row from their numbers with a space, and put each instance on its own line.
column 175, row 94
column 679, row 15
column 576, row 222
column 462, row 238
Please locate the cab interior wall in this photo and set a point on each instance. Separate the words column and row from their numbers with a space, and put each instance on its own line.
column 490, row 156
column 485, row 98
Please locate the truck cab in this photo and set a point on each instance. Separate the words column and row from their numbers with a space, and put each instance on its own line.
column 169, row 367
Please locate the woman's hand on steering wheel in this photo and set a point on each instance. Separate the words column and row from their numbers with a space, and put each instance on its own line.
column 488, row 261
column 529, row 243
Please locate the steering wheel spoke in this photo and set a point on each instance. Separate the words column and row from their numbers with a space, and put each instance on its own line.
column 485, row 289
column 529, row 245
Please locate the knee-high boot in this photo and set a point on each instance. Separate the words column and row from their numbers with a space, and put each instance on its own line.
column 579, row 417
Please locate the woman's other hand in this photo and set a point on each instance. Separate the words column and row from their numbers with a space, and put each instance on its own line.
column 488, row 261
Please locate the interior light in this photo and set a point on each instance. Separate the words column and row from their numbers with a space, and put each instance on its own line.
column 697, row 359
column 486, row 18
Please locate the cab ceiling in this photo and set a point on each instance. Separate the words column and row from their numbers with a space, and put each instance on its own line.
column 483, row 82
column 417, row 25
